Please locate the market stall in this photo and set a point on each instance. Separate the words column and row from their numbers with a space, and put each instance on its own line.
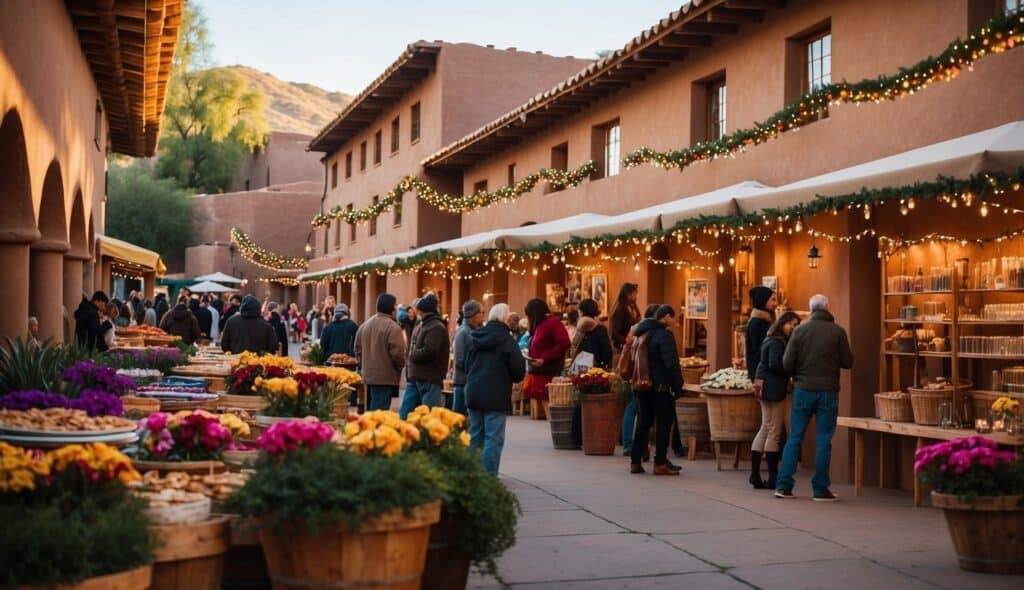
column 117, row 259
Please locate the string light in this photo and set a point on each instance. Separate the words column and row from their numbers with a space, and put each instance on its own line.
column 262, row 257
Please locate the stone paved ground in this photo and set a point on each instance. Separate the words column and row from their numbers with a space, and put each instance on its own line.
column 588, row 524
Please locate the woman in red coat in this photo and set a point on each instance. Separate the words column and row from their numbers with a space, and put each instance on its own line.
column 548, row 344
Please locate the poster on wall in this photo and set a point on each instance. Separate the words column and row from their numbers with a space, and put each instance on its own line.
column 697, row 299
column 573, row 287
column 599, row 292
column 770, row 281
column 555, row 297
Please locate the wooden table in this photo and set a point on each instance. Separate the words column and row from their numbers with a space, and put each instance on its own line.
column 918, row 431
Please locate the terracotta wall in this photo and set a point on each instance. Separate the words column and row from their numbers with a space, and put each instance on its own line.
column 283, row 160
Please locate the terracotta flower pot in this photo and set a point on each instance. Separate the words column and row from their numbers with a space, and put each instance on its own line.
column 388, row 552
column 987, row 532
column 599, row 422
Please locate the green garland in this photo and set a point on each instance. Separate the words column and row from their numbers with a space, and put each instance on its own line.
column 1002, row 33
column 262, row 257
column 557, row 179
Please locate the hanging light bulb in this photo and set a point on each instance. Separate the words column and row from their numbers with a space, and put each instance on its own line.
column 867, row 211
column 636, row 263
column 721, row 268
column 732, row 261
column 798, row 226
column 911, row 203
column 904, row 209
column 554, row 259
column 984, row 209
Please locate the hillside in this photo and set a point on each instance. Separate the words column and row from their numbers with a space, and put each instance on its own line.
column 294, row 106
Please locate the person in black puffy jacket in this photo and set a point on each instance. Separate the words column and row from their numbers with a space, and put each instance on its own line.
column 762, row 310
column 657, row 405
column 772, row 394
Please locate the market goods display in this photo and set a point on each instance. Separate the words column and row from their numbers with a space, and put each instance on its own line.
column 311, row 393
column 339, row 375
column 143, row 329
column 92, row 402
column 249, row 366
column 694, row 368
column 728, row 379
column 140, row 376
column 340, row 358
column 172, row 486
column 188, row 435
column 61, row 420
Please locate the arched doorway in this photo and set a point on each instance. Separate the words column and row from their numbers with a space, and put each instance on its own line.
column 76, row 261
column 17, row 225
column 46, row 291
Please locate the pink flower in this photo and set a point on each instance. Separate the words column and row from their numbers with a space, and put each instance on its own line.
column 156, row 421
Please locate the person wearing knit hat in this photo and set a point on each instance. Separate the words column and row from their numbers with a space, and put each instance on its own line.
column 339, row 336
column 762, row 314
column 427, row 365
column 472, row 318
column 381, row 350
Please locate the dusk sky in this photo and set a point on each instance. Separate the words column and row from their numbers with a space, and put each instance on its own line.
column 343, row 45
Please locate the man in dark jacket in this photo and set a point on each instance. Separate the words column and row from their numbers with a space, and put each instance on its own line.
column 380, row 348
column 233, row 307
column 493, row 365
column 87, row 322
column 428, row 358
column 180, row 322
column 247, row 331
column 472, row 319
column 161, row 307
column 203, row 317
column 340, row 335
column 657, row 405
column 280, row 328
column 816, row 352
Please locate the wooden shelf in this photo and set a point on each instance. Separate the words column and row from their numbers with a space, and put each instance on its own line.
column 992, row 323
column 993, row 357
column 923, row 353
column 897, row 294
column 992, row 290
column 944, row 322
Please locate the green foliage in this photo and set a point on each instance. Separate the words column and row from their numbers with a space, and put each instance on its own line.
column 65, row 539
column 28, row 365
column 200, row 163
column 151, row 213
column 487, row 510
column 329, row 486
column 316, row 355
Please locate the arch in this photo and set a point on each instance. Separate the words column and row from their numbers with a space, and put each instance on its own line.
column 78, row 232
column 15, row 182
column 52, row 221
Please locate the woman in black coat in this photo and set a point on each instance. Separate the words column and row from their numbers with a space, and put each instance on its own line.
column 772, row 394
column 592, row 336
column 657, row 406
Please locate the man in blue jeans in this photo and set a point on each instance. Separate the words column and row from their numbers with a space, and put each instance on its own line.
column 380, row 348
column 472, row 319
column 428, row 358
column 816, row 352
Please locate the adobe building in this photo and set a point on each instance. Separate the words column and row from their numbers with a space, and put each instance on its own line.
column 433, row 94
column 76, row 83
column 691, row 81
column 283, row 159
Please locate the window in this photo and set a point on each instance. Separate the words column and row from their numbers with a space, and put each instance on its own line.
column 414, row 126
column 512, row 174
column 351, row 226
column 818, row 62
column 362, row 156
column 1014, row 6
column 247, row 184
column 373, row 220
column 397, row 207
column 337, row 234
column 560, row 161
column 394, row 135
column 348, row 165
column 480, row 187
column 716, row 110
column 97, row 129
column 378, row 138
column 604, row 148
column 334, row 175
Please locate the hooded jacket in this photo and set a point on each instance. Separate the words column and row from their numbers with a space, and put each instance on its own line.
column 247, row 331
column 493, row 365
column 228, row 313
column 380, row 348
column 428, row 351
column 757, row 331
column 180, row 322
column 87, row 326
column 280, row 331
column 161, row 307
column 816, row 351
column 592, row 337
column 339, row 337
column 662, row 356
column 202, row 315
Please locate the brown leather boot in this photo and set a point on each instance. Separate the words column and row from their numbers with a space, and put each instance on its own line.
column 636, row 468
column 664, row 470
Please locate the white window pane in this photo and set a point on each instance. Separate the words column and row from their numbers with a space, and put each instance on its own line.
column 826, row 44
column 815, row 73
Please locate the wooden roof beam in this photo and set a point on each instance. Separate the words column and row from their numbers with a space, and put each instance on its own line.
column 755, row 4
column 683, row 40
column 707, row 28
column 734, row 15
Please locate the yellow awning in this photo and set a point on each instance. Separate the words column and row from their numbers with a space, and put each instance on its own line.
column 131, row 254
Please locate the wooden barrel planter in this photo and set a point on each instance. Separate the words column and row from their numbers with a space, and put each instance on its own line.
column 734, row 415
column 141, row 405
column 987, row 532
column 134, row 579
column 447, row 568
column 560, row 420
column 189, row 556
column 389, row 551
column 245, row 568
column 693, row 374
column 692, row 415
column 249, row 403
column 600, row 430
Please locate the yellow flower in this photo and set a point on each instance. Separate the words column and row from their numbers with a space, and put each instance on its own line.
column 438, row 432
column 464, row 438
column 351, row 429
column 236, row 425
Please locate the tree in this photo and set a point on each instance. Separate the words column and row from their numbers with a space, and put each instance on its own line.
column 211, row 118
column 150, row 212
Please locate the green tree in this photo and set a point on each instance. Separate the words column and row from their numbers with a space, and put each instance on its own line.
column 150, row 212
column 212, row 117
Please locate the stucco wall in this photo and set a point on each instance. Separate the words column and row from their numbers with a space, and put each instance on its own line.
column 283, row 160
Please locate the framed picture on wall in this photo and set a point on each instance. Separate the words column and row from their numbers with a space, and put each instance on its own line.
column 599, row 291
column 554, row 294
column 770, row 281
column 697, row 299
column 573, row 287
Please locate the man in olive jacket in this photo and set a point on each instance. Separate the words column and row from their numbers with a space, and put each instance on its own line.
column 428, row 358
column 816, row 352
column 380, row 348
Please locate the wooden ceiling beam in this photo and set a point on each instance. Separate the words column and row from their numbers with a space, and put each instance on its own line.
column 755, row 4
column 684, row 40
column 707, row 28
column 734, row 15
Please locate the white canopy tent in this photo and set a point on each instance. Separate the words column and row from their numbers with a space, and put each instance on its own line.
column 210, row 287
column 219, row 277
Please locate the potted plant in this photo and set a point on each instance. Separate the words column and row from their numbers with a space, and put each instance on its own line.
column 69, row 519
column 980, row 488
column 478, row 519
column 302, row 395
column 241, row 383
column 190, row 440
column 321, row 506
column 600, row 408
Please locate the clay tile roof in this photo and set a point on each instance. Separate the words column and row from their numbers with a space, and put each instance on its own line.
column 129, row 45
column 695, row 24
column 405, row 72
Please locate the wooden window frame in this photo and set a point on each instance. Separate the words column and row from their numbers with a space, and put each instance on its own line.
column 348, row 165
column 716, row 109
column 334, row 174
column 362, row 156
column 415, row 126
column 378, row 147
column 397, row 211
column 395, row 132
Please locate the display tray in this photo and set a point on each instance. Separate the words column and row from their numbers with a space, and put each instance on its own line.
column 48, row 442
column 57, row 433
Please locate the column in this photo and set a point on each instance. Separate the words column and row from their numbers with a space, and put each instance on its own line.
column 14, row 289
column 46, row 292
column 720, row 287
column 105, row 276
column 74, row 265
column 148, row 284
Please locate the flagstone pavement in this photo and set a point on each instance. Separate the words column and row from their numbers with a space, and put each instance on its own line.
column 589, row 524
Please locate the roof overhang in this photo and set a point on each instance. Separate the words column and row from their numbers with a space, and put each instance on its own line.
column 402, row 75
column 697, row 24
column 129, row 45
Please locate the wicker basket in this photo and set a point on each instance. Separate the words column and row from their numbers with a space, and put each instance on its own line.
column 560, row 394
column 185, row 512
column 142, row 405
column 894, row 406
column 692, row 375
column 926, row 404
column 517, row 392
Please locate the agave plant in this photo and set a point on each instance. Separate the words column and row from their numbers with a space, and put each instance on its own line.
column 30, row 365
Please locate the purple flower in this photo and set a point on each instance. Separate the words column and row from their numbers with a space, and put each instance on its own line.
column 156, row 421
column 27, row 400
column 89, row 375
column 96, row 402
